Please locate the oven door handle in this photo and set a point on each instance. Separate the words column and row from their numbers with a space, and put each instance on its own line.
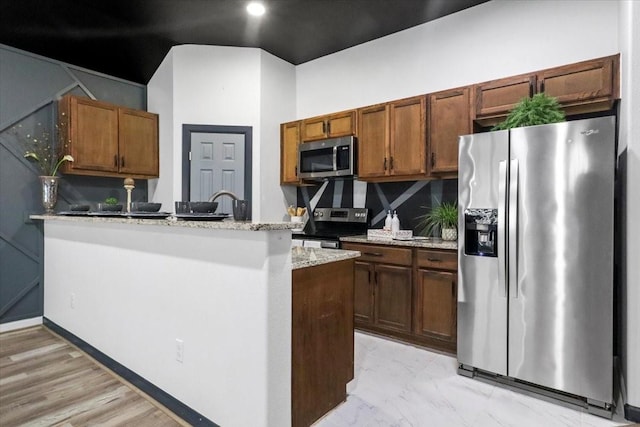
column 328, row 244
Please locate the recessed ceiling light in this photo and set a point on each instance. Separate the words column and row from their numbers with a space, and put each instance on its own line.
column 255, row 8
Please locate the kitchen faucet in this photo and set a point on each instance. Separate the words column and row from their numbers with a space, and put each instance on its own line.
column 222, row 193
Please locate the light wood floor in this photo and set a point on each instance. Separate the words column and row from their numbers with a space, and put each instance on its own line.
column 47, row 381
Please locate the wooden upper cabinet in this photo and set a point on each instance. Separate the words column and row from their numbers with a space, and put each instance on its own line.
column 93, row 135
column 330, row 126
column 496, row 98
column 108, row 140
column 583, row 87
column 373, row 141
column 407, row 154
column 289, row 141
column 392, row 140
column 138, row 142
column 449, row 117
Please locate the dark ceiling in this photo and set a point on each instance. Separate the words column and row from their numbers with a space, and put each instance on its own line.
column 129, row 38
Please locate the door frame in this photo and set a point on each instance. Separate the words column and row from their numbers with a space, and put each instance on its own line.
column 188, row 129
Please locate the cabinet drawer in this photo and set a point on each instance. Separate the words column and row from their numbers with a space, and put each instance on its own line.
column 443, row 260
column 381, row 254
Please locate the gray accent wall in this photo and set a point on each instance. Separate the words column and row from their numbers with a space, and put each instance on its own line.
column 30, row 86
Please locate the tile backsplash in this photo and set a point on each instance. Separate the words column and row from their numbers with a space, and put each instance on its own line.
column 410, row 199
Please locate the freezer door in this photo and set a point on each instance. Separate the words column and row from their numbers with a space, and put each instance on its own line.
column 561, row 256
column 482, row 301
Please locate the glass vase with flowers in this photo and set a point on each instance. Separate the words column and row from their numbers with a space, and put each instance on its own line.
column 41, row 148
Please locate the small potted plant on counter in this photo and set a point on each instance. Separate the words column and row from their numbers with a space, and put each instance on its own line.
column 110, row 205
column 444, row 216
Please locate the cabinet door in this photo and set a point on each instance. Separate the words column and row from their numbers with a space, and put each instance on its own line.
column 408, row 139
column 435, row 304
column 138, row 142
column 496, row 98
column 94, row 135
column 363, row 293
column 341, row 124
column 581, row 82
column 393, row 297
column 315, row 128
column 373, row 141
column 449, row 117
column 289, row 140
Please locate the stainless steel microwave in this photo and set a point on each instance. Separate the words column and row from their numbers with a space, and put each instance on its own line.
column 328, row 158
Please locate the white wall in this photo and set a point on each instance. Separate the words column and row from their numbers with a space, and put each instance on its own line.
column 225, row 293
column 160, row 101
column 495, row 39
column 228, row 86
column 629, row 147
column 277, row 105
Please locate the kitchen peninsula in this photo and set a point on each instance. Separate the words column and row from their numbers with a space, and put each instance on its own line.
column 203, row 310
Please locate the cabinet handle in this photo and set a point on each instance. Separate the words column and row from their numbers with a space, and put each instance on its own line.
column 122, row 165
column 329, row 127
column 324, row 127
column 385, row 164
column 531, row 88
column 542, row 86
column 375, row 277
column 115, row 160
column 296, row 170
column 433, row 159
column 372, row 253
column 391, row 163
column 369, row 276
column 434, row 259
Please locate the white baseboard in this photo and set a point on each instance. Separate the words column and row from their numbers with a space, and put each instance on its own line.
column 20, row 324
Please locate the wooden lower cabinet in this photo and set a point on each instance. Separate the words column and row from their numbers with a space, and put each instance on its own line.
column 392, row 296
column 382, row 296
column 321, row 339
column 407, row 293
column 435, row 305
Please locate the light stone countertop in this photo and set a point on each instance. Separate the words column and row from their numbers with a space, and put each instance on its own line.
column 308, row 257
column 429, row 244
column 227, row 224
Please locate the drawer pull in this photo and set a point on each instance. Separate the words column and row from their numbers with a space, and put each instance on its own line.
column 434, row 259
column 372, row 253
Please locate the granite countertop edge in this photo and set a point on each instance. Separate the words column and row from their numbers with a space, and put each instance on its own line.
column 440, row 244
column 309, row 257
column 227, row 224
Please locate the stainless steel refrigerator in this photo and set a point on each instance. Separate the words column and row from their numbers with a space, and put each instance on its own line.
column 535, row 279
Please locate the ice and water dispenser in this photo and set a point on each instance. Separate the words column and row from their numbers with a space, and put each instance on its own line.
column 481, row 232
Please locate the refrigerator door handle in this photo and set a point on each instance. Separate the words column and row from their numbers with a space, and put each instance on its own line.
column 502, row 224
column 513, row 228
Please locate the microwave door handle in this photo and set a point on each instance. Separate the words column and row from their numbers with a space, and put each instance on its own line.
column 335, row 158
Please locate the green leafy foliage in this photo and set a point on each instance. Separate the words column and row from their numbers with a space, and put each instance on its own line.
column 111, row 201
column 445, row 215
column 541, row 109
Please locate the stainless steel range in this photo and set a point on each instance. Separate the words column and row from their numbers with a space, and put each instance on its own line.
column 326, row 225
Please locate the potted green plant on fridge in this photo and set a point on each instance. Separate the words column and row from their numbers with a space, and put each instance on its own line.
column 541, row 109
column 443, row 216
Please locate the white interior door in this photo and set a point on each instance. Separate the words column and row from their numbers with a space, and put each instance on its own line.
column 217, row 163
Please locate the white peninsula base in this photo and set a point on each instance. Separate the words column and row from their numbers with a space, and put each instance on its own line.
column 202, row 313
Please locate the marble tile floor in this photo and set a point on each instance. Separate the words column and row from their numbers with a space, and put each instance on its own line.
column 404, row 386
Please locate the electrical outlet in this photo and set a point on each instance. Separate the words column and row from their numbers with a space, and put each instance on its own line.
column 72, row 300
column 179, row 350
